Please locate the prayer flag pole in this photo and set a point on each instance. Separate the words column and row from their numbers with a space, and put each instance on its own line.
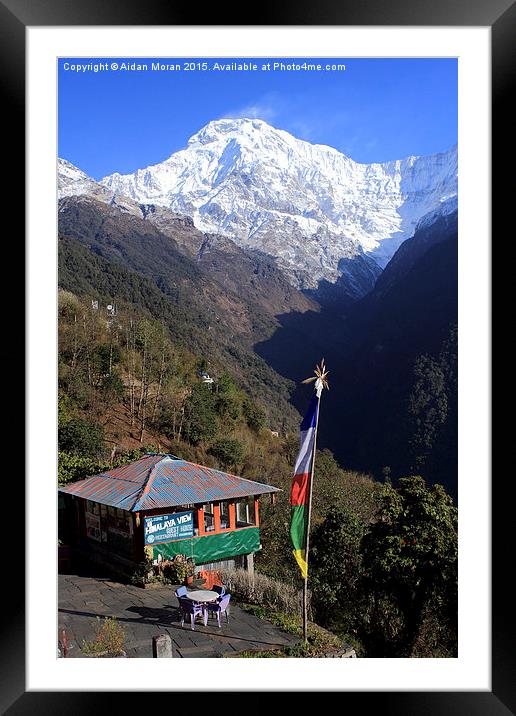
column 320, row 378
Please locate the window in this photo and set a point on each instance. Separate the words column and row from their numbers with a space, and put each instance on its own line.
column 119, row 520
column 209, row 518
column 196, row 522
column 245, row 516
column 224, row 515
column 241, row 513
column 122, row 520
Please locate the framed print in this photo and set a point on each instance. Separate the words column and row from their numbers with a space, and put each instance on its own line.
column 234, row 203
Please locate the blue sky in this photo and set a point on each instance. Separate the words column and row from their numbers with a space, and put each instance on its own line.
column 374, row 111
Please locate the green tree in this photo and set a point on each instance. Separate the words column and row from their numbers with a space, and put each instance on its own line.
column 81, row 437
column 77, row 467
column 254, row 415
column 336, row 569
column 202, row 365
column 228, row 400
column 229, row 452
column 276, row 559
column 410, row 565
column 200, row 418
column 442, row 463
column 427, row 409
column 112, row 386
column 104, row 358
column 64, row 408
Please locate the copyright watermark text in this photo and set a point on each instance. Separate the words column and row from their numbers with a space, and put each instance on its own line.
column 204, row 66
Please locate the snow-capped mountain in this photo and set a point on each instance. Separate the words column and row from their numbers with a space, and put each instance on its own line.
column 318, row 212
column 72, row 181
column 445, row 208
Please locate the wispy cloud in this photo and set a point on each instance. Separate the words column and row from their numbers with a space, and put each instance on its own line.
column 302, row 129
column 313, row 126
column 253, row 111
column 268, row 107
column 301, row 120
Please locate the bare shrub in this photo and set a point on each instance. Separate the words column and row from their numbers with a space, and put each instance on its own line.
column 258, row 589
column 109, row 638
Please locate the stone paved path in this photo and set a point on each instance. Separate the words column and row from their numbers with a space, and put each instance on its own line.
column 148, row 612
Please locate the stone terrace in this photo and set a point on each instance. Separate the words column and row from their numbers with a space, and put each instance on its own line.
column 148, row 612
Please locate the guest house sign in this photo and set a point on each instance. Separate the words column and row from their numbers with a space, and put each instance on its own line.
column 163, row 528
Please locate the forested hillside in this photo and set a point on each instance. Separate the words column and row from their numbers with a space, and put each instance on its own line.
column 123, row 383
column 399, row 382
column 189, row 321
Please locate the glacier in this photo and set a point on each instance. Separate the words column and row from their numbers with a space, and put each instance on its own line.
column 311, row 207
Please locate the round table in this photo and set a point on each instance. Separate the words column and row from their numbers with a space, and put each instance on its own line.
column 202, row 595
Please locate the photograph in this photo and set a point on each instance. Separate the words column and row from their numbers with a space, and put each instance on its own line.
column 257, row 360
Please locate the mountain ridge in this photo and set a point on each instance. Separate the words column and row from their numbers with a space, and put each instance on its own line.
column 309, row 206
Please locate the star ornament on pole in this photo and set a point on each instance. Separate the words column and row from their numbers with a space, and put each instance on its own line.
column 320, row 378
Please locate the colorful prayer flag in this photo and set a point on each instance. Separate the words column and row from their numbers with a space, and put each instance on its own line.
column 301, row 484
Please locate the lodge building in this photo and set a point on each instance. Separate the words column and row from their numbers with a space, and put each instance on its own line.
column 161, row 506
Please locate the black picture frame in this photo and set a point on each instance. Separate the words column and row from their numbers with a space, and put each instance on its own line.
column 500, row 16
